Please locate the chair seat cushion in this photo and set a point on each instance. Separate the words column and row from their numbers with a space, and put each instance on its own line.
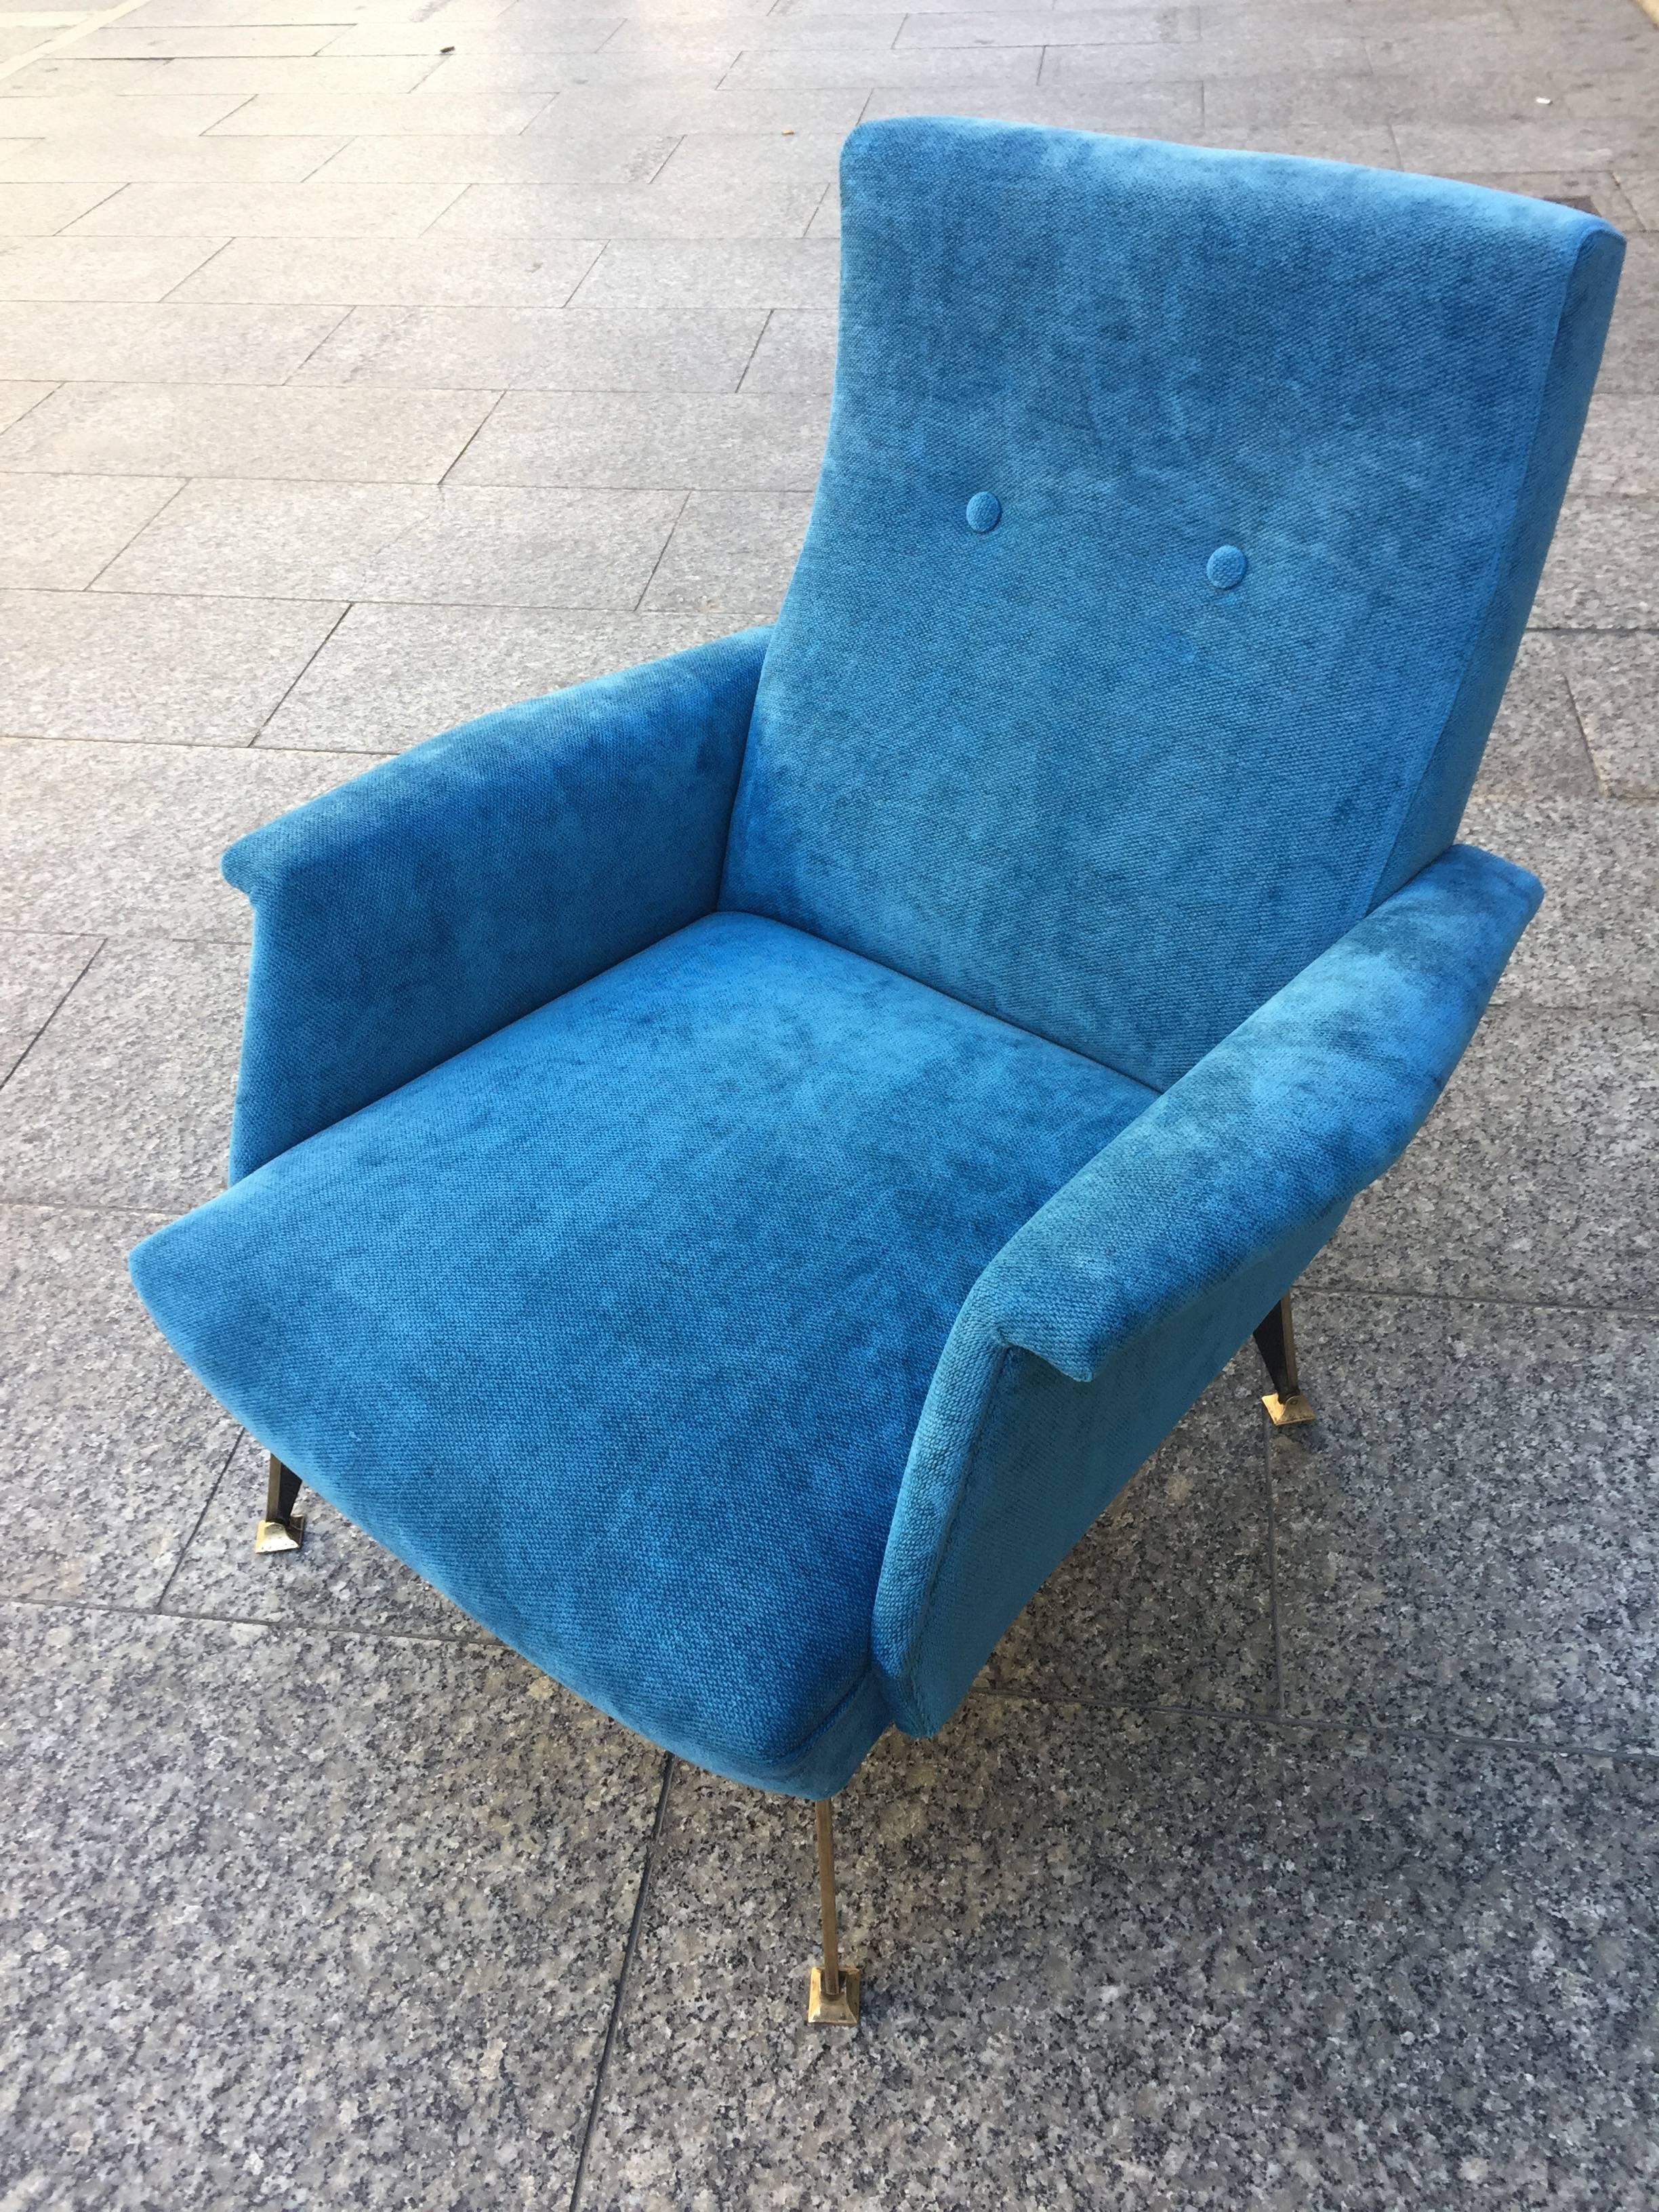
column 618, row 1326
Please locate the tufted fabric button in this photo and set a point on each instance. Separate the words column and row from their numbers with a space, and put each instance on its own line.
column 1226, row 568
column 984, row 512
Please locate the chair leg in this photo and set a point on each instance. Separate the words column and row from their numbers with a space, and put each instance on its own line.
column 1276, row 1341
column 833, row 1998
column 282, row 1529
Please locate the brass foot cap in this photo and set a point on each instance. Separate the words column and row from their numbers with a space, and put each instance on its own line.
column 280, row 1535
column 1288, row 1413
column 841, row 2011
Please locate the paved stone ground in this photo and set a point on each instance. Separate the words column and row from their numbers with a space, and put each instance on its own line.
column 366, row 364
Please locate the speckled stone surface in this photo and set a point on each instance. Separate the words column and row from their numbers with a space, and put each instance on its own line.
column 36, row 972
column 1168, row 1599
column 1536, row 749
column 1122, row 1961
column 1594, row 941
column 1466, row 1539
column 1615, row 685
column 303, row 1920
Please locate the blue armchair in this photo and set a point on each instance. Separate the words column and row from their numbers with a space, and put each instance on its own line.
column 736, row 1163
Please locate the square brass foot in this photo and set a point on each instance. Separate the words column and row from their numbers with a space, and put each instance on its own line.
column 280, row 1535
column 1288, row 1413
column 839, row 2011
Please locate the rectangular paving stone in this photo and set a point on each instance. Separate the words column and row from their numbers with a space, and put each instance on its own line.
column 1535, row 1177
column 38, row 210
column 1602, row 572
column 674, row 109
column 397, row 273
column 1269, row 101
column 1563, row 141
column 241, row 75
column 658, row 210
column 125, row 839
column 124, row 1101
column 17, row 400
column 797, row 353
column 750, row 157
column 169, row 342
column 1192, row 1950
column 109, row 1446
column 317, row 209
column 400, row 1930
column 620, row 348
column 97, row 269
column 578, row 39
column 500, row 160
column 1631, row 362
column 611, row 439
column 122, row 156
column 160, row 114
column 731, row 551
column 1004, row 67
column 393, row 675
column 1537, row 748
column 759, row 273
column 1049, row 26
column 117, row 43
column 1168, row 1600
column 99, row 665
column 1464, row 1543
column 1163, row 106
column 354, row 115
column 408, row 542
column 57, row 532
column 1618, row 453
column 36, row 970
column 63, row 74
column 222, row 430
column 1615, row 686
column 1595, row 942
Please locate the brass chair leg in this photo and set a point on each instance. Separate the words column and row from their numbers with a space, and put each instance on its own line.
column 1275, row 1340
column 833, row 1997
column 282, row 1529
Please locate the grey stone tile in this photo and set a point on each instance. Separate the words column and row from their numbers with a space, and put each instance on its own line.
column 1599, row 186
column 1052, row 27
column 817, row 30
column 241, row 76
column 1168, row 1599
column 56, row 533
column 658, row 210
column 110, row 1446
column 38, row 210
column 357, row 115
column 392, row 676
column 705, row 157
column 731, row 551
column 126, row 839
column 573, row 43
column 1371, row 145
column 610, row 439
column 538, row 349
column 1536, row 1176
column 19, row 39
column 167, row 341
column 607, row 160
column 1642, row 187
column 1464, row 1542
column 1278, row 101
column 1615, row 685
column 1618, row 453
column 797, row 353
column 1167, row 107
column 340, row 1578
column 582, row 110
column 124, row 1101
column 398, row 272
column 1536, row 749
column 17, row 400
column 123, row 156
column 1145, row 1961
column 117, row 43
column 64, row 74
column 1631, row 362
column 1012, row 67
column 141, row 115
column 95, row 268
column 760, row 273
column 1595, row 942
column 1602, row 572
column 222, row 430
column 1554, row 140
column 1453, row 86
column 826, row 224
column 36, row 970
column 410, row 541
column 97, row 666
column 317, row 209
column 333, row 1912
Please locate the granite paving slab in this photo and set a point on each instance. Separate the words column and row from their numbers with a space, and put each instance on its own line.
column 99, row 268
column 796, row 353
column 38, row 210
column 597, row 160
column 1615, row 686
column 390, row 677
column 1631, row 362
column 735, row 443
column 1595, row 942
column 397, row 273
column 1168, row 1600
column 1619, row 450
column 1124, row 1960
column 77, row 664
column 357, row 115
column 316, row 209
column 150, row 115
column 123, row 157
column 661, row 209
column 58, row 533
column 589, row 347
column 163, row 342
column 16, row 399
column 309, row 1918
column 1463, row 1541
column 110, row 1446
column 680, row 273
column 731, row 551
column 37, row 970
column 1535, row 1177
column 125, row 839
column 1602, row 572
column 1537, row 748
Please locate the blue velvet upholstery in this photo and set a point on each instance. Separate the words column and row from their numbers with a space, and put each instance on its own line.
column 735, row 1164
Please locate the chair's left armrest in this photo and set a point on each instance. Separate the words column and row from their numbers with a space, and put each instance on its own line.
column 426, row 904
column 1100, row 1321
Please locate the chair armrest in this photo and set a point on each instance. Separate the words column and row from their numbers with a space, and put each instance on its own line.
column 427, row 903
column 1135, row 1284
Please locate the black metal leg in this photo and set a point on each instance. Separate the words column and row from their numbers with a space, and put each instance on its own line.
column 1275, row 1340
column 282, row 1529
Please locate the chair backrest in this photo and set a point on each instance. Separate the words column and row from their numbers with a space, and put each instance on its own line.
column 1272, row 450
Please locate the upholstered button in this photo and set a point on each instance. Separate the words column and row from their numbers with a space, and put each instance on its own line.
column 1226, row 568
column 984, row 511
